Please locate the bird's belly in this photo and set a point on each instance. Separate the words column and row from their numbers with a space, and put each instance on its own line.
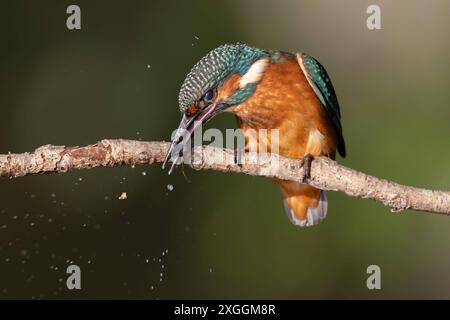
column 288, row 141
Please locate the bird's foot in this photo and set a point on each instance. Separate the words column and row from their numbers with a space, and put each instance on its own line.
column 238, row 152
column 306, row 164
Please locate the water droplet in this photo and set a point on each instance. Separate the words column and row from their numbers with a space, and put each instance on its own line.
column 196, row 38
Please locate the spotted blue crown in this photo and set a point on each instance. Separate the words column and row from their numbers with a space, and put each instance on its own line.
column 214, row 68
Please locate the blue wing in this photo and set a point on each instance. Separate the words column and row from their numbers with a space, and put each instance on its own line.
column 318, row 79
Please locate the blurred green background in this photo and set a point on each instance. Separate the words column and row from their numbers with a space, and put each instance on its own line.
column 222, row 235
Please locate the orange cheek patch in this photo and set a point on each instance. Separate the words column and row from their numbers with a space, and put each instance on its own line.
column 230, row 85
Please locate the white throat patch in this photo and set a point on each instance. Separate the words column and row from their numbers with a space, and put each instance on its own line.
column 254, row 73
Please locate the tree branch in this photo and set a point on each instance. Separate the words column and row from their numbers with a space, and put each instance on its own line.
column 326, row 174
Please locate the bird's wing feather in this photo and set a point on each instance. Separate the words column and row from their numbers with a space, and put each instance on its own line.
column 319, row 80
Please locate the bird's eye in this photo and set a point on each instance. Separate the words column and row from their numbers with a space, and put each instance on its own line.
column 208, row 96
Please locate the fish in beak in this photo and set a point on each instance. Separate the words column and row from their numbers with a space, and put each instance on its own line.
column 185, row 131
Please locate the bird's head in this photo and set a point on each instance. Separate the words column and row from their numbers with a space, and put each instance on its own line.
column 226, row 77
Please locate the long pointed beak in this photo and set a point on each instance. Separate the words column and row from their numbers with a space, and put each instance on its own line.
column 183, row 135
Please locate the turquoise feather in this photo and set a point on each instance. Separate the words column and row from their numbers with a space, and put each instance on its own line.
column 324, row 90
column 214, row 68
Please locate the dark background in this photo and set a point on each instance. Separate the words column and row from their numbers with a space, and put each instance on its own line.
column 226, row 235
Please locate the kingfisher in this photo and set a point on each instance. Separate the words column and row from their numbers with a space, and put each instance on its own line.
column 269, row 89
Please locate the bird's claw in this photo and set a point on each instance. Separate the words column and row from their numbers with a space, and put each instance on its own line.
column 306, row 165
column 238, row 156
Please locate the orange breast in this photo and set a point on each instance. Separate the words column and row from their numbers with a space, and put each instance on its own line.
column 284, row 100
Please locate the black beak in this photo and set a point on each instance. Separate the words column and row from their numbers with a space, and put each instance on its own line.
column 183, row 135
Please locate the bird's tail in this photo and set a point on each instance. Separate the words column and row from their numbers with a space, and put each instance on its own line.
column 304, row 205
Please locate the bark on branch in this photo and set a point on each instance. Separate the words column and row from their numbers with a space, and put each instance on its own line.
column 326, row 174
